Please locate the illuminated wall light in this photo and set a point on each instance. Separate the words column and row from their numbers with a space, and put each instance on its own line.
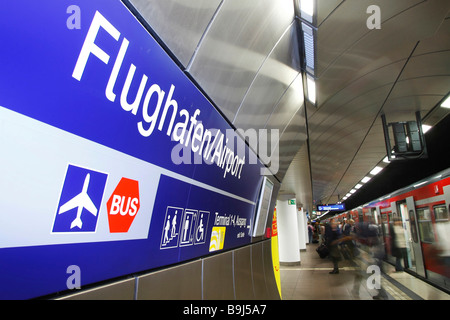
column 376, row 170
column 386, row 160
column 446, row 103
column 311, row 86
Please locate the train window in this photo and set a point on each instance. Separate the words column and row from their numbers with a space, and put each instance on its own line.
column 423, row 213
column 440, row 213
column 425, row 224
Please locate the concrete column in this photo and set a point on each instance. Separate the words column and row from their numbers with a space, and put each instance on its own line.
column 288, row 243
column 302, row 237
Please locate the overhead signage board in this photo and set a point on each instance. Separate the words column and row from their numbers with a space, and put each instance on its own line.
column 112, row 159
column 331, row 207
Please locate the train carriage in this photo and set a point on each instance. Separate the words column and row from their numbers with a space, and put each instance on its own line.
column 423, row 209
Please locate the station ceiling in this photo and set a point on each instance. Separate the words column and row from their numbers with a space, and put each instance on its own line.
column 361, row 73
column 249, row 57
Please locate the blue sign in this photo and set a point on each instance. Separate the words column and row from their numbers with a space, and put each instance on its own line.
column 171, row 233
column 331, row 207
column 84, row 109
column 80, row 200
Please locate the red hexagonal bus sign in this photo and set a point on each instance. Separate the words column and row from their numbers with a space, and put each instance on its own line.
column 123, row 205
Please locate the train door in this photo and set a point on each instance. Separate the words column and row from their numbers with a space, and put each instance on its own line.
column 378, row 220
column 382, row 224
column 392, row 214
column 409, row 210
column 400, row 211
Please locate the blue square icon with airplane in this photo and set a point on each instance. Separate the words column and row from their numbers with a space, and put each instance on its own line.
column 80, row 200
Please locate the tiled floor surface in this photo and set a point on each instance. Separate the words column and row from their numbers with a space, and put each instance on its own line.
column 312, row 281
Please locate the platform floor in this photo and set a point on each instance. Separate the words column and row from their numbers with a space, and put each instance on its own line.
column 311, row 281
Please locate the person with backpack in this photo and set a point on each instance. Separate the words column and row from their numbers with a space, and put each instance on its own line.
column 310, row 232
column 321, row 233
column 348, row 246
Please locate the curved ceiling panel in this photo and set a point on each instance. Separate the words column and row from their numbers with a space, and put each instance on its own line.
column 297, row 179
column 291, row 139
column 237, row 43
column 346, row 28
column 287, row 107
column 179, row 23
column 360, row 74
column 271, row 82
column 288, row 118
column 325, row 8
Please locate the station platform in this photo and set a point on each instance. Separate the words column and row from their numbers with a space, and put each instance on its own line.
column 311, row 280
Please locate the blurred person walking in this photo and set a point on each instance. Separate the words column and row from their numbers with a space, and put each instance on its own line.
column 332, row 240
column 398, row 244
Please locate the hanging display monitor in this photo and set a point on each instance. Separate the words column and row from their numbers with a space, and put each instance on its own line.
column 263, row 207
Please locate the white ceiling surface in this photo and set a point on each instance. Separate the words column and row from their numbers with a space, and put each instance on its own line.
column 245, row 56
column 359, row 76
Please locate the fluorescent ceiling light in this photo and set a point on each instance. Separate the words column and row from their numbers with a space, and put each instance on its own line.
column 307, row 6
column 348, row 195
column 446, row 103
column 376, row 170
column 386, row 159
column 425, row 128
column 358, row 186
column 311, row 85
column 352, row 191
column 365, row 179
column 308, row 39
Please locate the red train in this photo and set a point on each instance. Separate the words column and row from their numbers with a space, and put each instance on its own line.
column 423, row 210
